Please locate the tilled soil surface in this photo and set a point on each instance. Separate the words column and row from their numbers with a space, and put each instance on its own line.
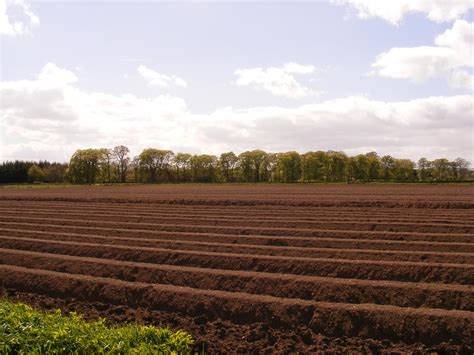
column 246, row 268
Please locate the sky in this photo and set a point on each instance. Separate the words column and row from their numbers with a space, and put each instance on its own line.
column 395, row 77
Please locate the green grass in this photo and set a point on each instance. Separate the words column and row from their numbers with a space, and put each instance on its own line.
column 24, row 330
column 33, row 186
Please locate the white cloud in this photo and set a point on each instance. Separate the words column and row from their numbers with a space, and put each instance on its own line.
column 50, row 116
column 16, row 17
column 156, row 79
column 52, row 75
column 296, row 68
column 394, row 11
column 279, row 81
column 461, row 79
column 451, row 57
column 50, row 119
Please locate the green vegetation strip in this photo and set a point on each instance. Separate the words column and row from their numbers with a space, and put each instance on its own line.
column 24, row 330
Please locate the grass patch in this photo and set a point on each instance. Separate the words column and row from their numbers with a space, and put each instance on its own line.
column 25, row 330
column 33, row 186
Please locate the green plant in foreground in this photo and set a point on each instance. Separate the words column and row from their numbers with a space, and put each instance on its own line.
column 24, row 330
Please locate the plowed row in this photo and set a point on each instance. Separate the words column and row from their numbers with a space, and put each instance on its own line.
column 281, row 268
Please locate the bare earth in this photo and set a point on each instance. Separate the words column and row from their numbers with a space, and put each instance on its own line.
column 362, row 268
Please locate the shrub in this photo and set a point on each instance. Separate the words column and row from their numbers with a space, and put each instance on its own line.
column 26, row 330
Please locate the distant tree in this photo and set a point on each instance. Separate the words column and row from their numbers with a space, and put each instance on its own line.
column 135, row 166
column 361, row 167
column 228, row 162
column 424, row 169
column 204, row 168
column 155, row 161
column 182, row 161
column 86, row 165
column 105, row 163
column 272, row 167
column 246, row 169
column 404, row 170
column 336, row 166
column 153, row 165
column 122, row 159
column 260, row 164
column 374, row 166
column 387, row 165
column 313, row 166
column 36, row 174
column 254, row 165
column 14, row 171
column 290, row 166
column 441, row 169
column 317, row 165
column 55, row 172
column 463, row 167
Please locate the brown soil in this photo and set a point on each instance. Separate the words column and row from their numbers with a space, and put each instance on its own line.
column 270, row 268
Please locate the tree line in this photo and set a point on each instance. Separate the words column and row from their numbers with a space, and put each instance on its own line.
column 89, row 166
column 29, row 171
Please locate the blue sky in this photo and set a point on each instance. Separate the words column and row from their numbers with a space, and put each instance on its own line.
column 215, row 76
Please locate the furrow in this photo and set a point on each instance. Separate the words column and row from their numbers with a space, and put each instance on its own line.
column 254, row 216
column 342, row 268
column 334, row 319
column 296, row 242
column 353, row 254
column 402, row 294
column 243, row 230
column 285, row 224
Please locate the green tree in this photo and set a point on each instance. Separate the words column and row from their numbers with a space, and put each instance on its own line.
column 290, row 166
column 55, row 172
column 254, row 165
column 313, row 166
column 441, row 169
column 155, row 161
column 404, row 170
column 387, row 166
column 36, row 174
column 182, row 161
column 136, row 168
column 425, row 169
column 374, row 166
column 260, row 164
column 85, row 165
column 360, row 165
column 272, row 167
column 153, row 165
column 122, row 160
column 336, row 166
column 204, row 168
column 463, row 167
column 228, row 162
column 105, row 164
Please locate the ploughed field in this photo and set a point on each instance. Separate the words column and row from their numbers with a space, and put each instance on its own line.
column 253, row 267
